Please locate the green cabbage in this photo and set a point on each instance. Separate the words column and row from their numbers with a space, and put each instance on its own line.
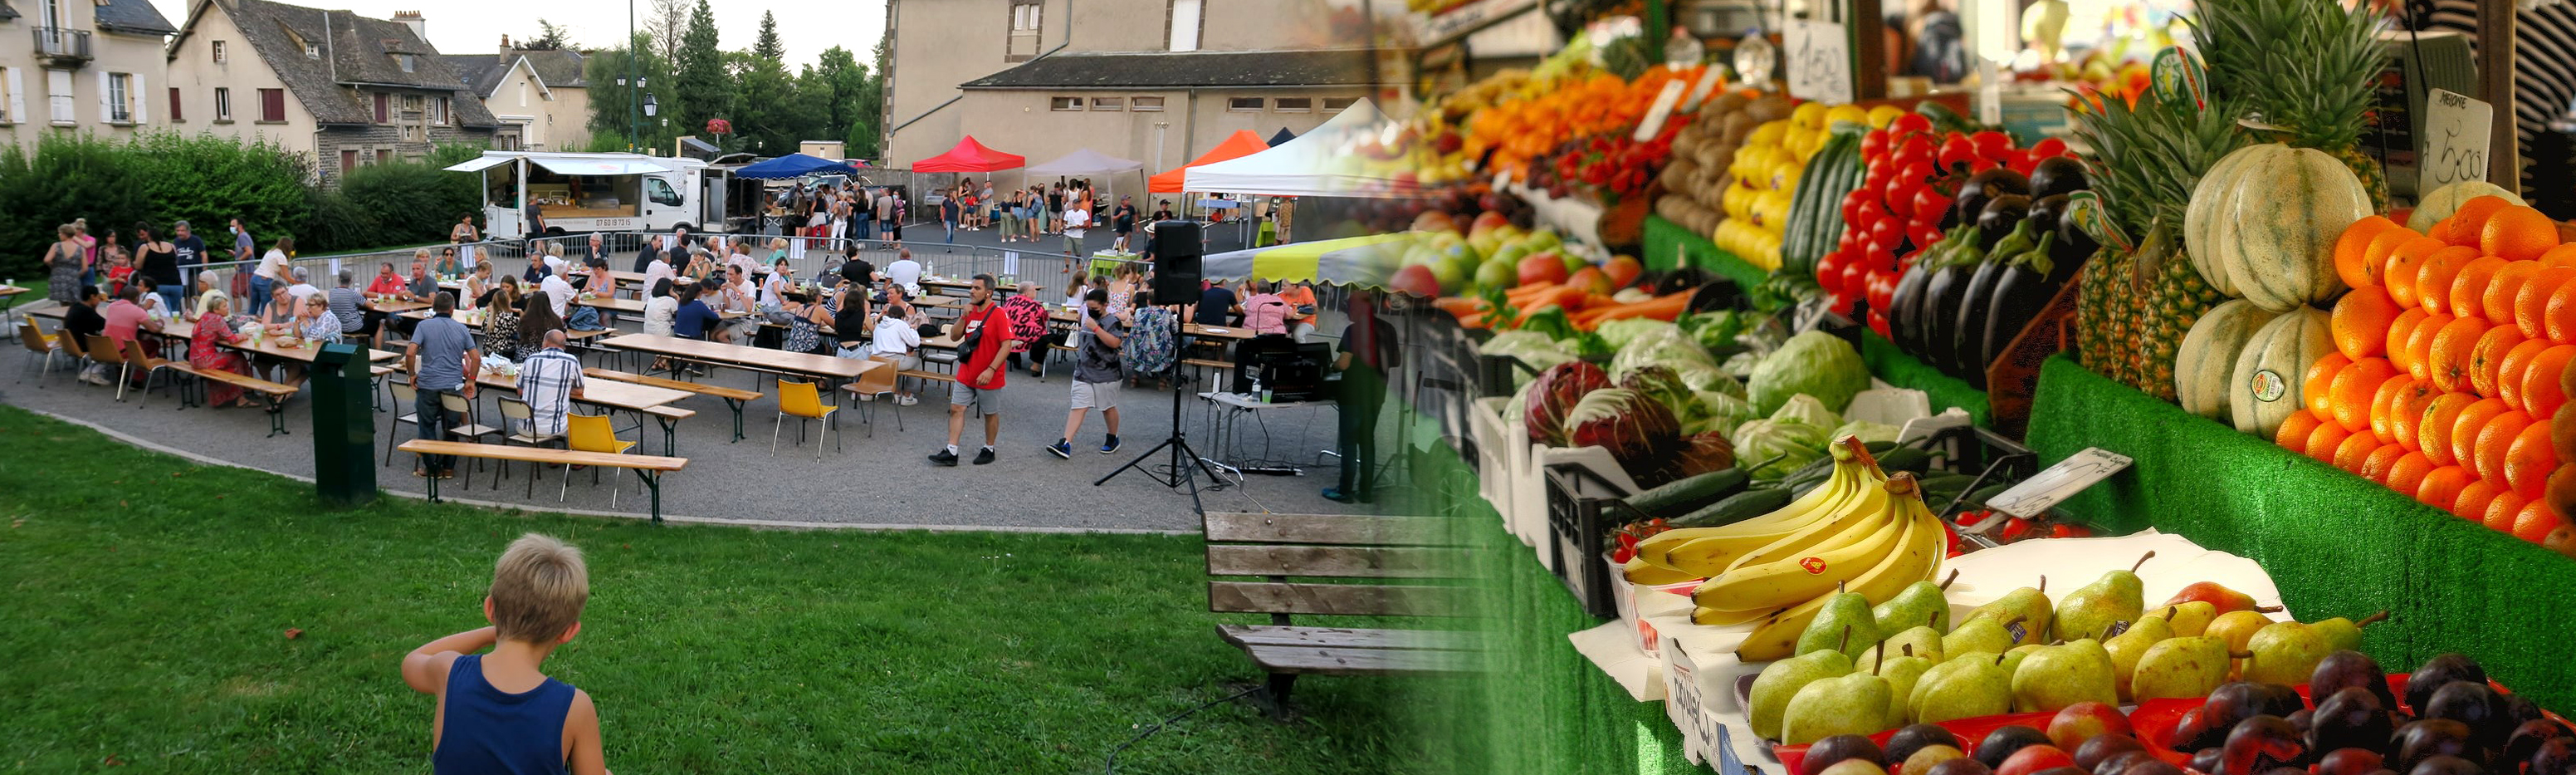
column 1529, row 347
column 1701, row 376
column 1722, row 412
column 1803, row 408
column 1814, row 363
column 1796, row 444
column 1868, row 431
column 1715, row 330
column 1621, row 333
column 1659, row 348
column 1665, row 387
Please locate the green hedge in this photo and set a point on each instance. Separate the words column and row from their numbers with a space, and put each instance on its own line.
column 2336, row 544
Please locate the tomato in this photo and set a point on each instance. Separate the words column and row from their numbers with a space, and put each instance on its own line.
column 1901, row 197
column 1855, row 279
column 1929, row 202
column 1879, row 286
column 1886, row 231
column 1874, row 144
column 2048, row 147
column 1918, row 172
column 1917, row 148
column 1926, row 232
column 1911, row 122
column 1992, row 144
column 1956, row 152
column 1829, row 271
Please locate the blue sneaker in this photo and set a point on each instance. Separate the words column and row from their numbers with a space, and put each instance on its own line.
column 1062, row 449
column 1336, row 495
column 1109, row 446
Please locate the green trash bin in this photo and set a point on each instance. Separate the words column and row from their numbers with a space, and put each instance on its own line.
column 344, row 426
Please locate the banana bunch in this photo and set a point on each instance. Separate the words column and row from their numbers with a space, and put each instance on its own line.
column 1705, row 552
column 1874, row 568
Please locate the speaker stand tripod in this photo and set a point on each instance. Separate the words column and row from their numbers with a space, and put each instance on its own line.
column 1185, row 462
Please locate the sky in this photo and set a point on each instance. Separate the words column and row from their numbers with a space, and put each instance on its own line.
column 476, row 26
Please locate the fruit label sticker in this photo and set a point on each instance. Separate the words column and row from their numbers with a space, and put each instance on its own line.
column 2088, row 210
column 2177, row 77
column 2038, row 494
column 2457, row 130
column 1813, row 565
column 2115, row 629
column 2017, row 631
column 2268, row 385
column 1819, row 62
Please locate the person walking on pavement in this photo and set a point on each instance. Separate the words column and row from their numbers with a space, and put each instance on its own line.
column 441, row 358
column 984, row 334
column 1096, row 377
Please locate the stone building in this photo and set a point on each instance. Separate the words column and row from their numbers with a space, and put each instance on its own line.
column 79, row 66
column 540, row 98
column 346, row 89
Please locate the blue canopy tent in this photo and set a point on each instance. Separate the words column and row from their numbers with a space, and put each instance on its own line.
column 795, row 165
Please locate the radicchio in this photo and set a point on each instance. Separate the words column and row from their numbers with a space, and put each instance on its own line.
column 1555, row 393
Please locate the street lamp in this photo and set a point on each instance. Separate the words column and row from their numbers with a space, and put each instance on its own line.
column 651, row 106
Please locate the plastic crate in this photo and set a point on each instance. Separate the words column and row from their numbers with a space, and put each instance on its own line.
column 1492, row 437
column 1583, row 491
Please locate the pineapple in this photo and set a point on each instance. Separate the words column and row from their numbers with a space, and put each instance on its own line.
column 2306, row 66
column 2144, row 162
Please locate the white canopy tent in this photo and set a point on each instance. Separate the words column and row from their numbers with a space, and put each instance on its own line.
column 1321, row 162
column 1085, row 162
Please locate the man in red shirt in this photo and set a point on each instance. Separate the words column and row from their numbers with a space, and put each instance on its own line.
column 984, row 336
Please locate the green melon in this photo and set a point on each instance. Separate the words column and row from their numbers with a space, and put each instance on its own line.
column 2213, row 205
column 2203, row 368
column 2446, row 200
column 2289, row 207
column 2265, row 387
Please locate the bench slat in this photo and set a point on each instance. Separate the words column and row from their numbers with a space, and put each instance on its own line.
column 1333, row 599
column 1249, row 636
column 245, row 382
column 1309, row 660
column 543, row 455
column 928, row 375
column 670, row 412
column 719, row 391
column 1325, row 529
column 1205, row 363
column 1331, row 561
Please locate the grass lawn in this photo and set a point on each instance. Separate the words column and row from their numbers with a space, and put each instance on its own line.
column 148, row 601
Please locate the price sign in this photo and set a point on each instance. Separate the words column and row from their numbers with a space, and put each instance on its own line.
column 2059, row 482
column 1820, row 62
column 2456, row 132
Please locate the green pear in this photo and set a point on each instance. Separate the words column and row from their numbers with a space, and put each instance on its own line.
column 1849, row 705
column 2284, row 653
column 2118, row 596
column 2012, row 659
column 2343, row 634
column 2181, row 668
column 2237, row 628
column 2125, row 649
column 1981, row 634
column 2028, row 604
column 1920, row 642
column 2054, row 677
column 1967, row 685
column 1769, row 699
column 1845, row 624
column 1902, row 673
column 1921, row 602
column 2188, row 619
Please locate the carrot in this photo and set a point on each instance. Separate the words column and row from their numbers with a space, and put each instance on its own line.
column 1529, row 295
column 1668, row 307
column 1477, row 320
column 1459, row 306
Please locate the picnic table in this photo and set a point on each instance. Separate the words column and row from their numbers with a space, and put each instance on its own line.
column 9, row 298
column 642, row 400
column 750, row 358
column 474, row 319
column 630, row 306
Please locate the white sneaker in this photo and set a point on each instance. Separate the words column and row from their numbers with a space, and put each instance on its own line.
column 906, row 400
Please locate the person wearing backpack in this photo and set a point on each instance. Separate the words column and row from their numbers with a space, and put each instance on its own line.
column 1367, row 355
column 1095, row 373
column 983, row 334
column 1152, row 341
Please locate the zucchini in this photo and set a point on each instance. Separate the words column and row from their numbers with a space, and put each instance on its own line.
column 1737, row 508
column 1906, row 459
column 1690, row 494
column 1977, row 500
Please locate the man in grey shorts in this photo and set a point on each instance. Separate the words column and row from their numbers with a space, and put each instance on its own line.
column 1095, row 372
column 979, row 372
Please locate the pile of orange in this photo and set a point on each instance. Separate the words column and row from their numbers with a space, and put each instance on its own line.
column 1519, row 131
column 2450, row 372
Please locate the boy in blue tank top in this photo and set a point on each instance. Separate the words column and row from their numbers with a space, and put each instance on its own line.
column 496, row 712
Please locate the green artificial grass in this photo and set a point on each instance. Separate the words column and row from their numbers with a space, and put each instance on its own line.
column 2336, row 544
column 149, row 602
column 1670, row 245
column 1902, row 370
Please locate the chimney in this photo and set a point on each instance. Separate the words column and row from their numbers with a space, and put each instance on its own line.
column 505, row 49
column 419, row 26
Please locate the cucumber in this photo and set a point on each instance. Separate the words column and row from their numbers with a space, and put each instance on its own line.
column 1907, row 459
column 1690, row 494
column 1737, row 508
column 1977, row 500
column 1879, row 447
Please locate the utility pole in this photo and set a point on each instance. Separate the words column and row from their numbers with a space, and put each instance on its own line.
column 632, row 83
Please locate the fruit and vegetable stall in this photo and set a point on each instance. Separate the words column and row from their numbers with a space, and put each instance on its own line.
column 1808, row 398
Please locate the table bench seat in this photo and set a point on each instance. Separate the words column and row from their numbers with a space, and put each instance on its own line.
column 648, row 467
column 1275, row 548
column 276, row 393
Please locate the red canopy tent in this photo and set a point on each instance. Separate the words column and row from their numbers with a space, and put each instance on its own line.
column 1242, row 143
column 969, row 156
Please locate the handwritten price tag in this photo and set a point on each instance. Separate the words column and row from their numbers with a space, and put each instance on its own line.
column 1820, row 62
column 2456, row 132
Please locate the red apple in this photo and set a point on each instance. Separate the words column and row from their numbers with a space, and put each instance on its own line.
column 1542, row 267
column 1416, row 280
column 2079, row 722
column 2031, row 759
column 2211, row 592
column 1591, row 280
column 1623, row 270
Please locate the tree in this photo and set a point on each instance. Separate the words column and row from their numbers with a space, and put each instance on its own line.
column 610, row 113
column 700, row 74
column 835, row 85
column 549, row 38
column 668, row 24
column 769, row 48
column 771, row 113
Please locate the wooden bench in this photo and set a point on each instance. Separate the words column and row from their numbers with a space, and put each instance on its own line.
column 647, row 467
column 275, row 392
column 1277, row 547
column 734, row 398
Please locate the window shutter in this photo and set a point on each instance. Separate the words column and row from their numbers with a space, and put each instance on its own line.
column 103, row 113
column 135, row 94
column 17, row 96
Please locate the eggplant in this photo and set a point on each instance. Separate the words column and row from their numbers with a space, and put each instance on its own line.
column 2002, row 213
column 1980, row 188
column 2073, row 246
column 1941, row 296
column 2045, row 212
column 1968, row 335
column 2057, row 175
column 1903, row 303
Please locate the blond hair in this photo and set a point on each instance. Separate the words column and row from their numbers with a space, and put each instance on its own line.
column 538, row 589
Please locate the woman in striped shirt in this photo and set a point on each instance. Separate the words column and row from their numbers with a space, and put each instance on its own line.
column 2544, row 63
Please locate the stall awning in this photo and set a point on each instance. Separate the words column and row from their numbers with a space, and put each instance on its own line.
column 562, row 165
column 1086, row 162
column 1322, row 162
column 794, row 165
column 1366, row 261
column 1242, row 143
column 480, row 163
column 970, row 156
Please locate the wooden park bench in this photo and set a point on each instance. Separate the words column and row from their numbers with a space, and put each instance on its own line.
column 734, row 398
column 1278, row 547
column 275, row 393
column 646, row 467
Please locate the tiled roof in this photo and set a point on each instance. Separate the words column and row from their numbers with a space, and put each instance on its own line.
column 133, row 16
column 480, row 72
column 358, row 51
column 560, row 69
column 1163, row 70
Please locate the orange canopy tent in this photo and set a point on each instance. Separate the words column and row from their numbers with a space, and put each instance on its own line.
column 970, row 156
column 1242, row 143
